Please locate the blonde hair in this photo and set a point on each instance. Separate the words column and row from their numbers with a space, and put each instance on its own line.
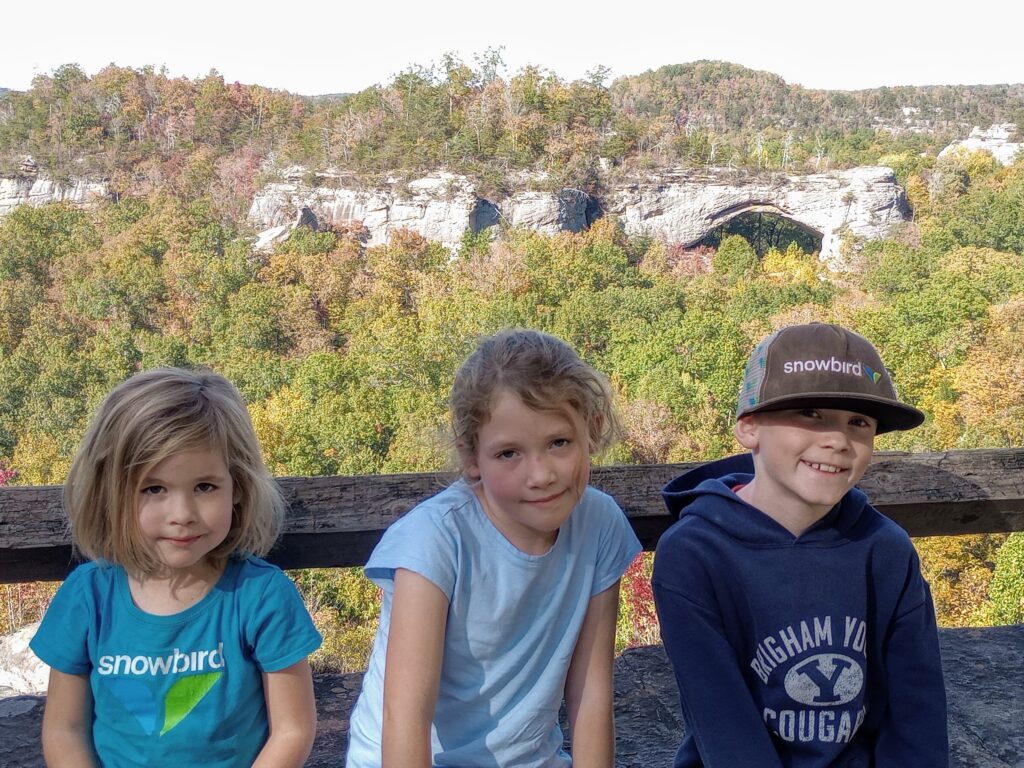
column 141, row 422
column 544, row 372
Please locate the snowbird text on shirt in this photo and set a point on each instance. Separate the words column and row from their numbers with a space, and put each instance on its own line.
column 171, row 664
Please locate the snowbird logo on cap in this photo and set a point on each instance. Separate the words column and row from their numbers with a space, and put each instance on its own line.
column 832, row 365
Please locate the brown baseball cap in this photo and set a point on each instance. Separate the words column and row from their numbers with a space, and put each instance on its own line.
column 822, row 366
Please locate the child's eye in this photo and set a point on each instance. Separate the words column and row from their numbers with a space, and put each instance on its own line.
column 206, row 487
column 862, row 421
column 508, row 453
column 560, row 442
column 809, row 413
column 152, row 490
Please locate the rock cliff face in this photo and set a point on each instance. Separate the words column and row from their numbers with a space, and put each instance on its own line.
column 31, row 188
column 20, row 670
column 684, row 207
column 995, row 140
column 680, row 207
column 440, row 206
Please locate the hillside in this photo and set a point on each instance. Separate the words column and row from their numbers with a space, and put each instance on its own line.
column 734, row 97
column 142, row 130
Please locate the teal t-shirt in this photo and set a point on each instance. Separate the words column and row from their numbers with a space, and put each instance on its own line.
column 185, row 689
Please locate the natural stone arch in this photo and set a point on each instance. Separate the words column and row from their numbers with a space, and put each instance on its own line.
column 722, row 218
column 684, row 206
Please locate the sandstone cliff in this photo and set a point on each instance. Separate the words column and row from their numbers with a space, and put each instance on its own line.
column 680, row 207
column 995, row 139
column 29, row 187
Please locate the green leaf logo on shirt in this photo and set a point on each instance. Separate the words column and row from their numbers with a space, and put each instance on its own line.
column 184, row 695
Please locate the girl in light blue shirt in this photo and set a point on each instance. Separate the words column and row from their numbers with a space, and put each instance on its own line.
column 500, row 593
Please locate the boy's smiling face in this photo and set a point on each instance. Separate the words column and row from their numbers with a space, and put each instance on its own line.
column 805, row 460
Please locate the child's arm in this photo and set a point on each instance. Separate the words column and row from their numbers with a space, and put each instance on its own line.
column 718, row 709
column 589, row 687
column 67, row 722
column 291, row 716
column 412, row 670
column 913, row 733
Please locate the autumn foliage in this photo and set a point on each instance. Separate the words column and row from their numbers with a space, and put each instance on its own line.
column 345, row 353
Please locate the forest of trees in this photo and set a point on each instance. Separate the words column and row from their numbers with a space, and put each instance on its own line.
column 143, row 130
column 345, row 353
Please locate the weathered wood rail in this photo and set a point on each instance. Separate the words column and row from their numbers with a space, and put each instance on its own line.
column 336, row 521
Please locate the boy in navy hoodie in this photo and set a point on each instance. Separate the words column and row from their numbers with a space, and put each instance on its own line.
column 794, row 614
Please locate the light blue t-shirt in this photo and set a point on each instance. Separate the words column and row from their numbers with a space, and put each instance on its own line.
column 513, row 622
column 185, row 689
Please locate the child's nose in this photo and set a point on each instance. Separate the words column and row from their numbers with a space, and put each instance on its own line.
column 542, row 471
column 836, row 439
column 183, row 511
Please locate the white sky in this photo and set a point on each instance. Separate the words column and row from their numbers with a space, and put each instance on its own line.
column 316, row 47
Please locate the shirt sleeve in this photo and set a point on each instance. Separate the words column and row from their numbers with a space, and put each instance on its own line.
column 717, row 707
column 279, row 629
column 618, row 545
column 62, row 640
column 417, row 542
column 913, row 732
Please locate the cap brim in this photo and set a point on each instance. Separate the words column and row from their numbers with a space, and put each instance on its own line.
column 889, row 415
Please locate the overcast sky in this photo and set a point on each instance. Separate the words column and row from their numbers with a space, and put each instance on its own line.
column 317, row 47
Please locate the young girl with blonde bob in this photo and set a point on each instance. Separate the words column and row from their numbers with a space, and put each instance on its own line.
column 177, row 645
column 500, row 593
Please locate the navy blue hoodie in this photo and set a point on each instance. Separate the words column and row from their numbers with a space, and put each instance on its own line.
column 817, row 651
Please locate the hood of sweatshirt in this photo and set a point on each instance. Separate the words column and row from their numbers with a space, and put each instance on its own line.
column 707, row 492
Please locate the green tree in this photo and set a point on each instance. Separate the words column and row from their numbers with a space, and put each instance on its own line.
column 1006, row 592
column 734, row 259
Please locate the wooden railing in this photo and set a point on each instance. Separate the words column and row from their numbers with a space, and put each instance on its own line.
column 336, row 521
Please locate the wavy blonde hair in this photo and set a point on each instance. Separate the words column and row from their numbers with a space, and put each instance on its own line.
column 544, row 372
column 141, row 422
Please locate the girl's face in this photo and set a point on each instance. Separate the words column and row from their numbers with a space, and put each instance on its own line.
column 185, row 505
column 532, row 467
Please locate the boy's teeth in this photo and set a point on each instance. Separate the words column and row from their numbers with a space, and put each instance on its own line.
column 825, row 467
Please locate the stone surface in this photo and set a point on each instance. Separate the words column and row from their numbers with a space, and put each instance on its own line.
column 38, row 190
column 441, row 207
column 983, row 679
column 547, row 212
column 679, row 207
column 683, row 207
column 21, row 718
column 20, row 670
column 985, row 687
column 268, row 239
column 995, row 139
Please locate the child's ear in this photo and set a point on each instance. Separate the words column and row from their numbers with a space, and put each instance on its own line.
column 746, row 432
